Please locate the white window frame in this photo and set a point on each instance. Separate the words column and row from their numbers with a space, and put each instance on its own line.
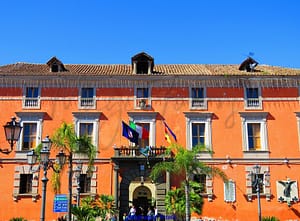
column 142, row 103
column 259, row 118
column 205, row 118
column 93, row 99
column 86, row 117
column 259, row 100
column 30, row 117
column 229, row 191
column 25, row 99
column 146, row 117
column 203, row 100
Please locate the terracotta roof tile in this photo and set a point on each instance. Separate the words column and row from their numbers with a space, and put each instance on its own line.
column 161, row 69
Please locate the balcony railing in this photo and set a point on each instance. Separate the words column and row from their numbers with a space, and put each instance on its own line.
column 253, row 103
column 142, row 103
column 87, row 102
column 198, row 103
column 31, row 102
column 124, row 151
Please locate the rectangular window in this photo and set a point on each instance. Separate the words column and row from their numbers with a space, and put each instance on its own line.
column 197, row 95
column 142, row 97
column 254, row 137
column 87, row 97
column 25, row 183
column 199, row 131
column 29, row 136
column 229, row 191
column 31, row 98
column 260, row 180
column 85, row 183
column 198, row 134
column 144, row 137
column 252, row 98
column 142, row 93
column 254, row 134
column 201, row 179
column 86, row 129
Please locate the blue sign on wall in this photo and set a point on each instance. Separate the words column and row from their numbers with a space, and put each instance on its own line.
column 60, row 204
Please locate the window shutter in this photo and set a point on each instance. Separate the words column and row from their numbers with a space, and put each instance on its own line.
column 229, row 191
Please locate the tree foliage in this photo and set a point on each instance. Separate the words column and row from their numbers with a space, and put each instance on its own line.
column 175, row 200
column 186, row 163
column 65, row 139
column 92, row 208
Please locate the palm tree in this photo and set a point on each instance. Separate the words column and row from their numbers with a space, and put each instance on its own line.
column 184, row 162
column 65, row 140
column 175, row 200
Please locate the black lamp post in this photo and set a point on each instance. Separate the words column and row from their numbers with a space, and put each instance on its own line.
column 77, row 173
column 12, row 131
column 45, row 163
column 257, row 182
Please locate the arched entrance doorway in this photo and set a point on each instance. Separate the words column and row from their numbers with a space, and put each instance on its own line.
column 142, row 196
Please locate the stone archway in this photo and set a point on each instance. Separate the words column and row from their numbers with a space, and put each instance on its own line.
column 131, row 180
column 142, row 195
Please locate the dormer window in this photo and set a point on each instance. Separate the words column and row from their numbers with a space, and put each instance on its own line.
column 56, row 65
column 54, row 68
column 248, row 65
column 142, row 67
column 142, row 63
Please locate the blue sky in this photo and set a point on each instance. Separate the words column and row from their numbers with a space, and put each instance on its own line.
column 173, row 32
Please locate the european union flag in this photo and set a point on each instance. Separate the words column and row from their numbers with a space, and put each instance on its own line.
column 130, row 133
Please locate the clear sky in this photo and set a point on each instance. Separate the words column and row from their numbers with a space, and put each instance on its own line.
column 173, row 32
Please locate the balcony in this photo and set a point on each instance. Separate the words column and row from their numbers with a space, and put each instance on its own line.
column 253, row 103
column 87, row 102
column 198, row 103
column 31, row 102
column 128, row 153
column 142, row 103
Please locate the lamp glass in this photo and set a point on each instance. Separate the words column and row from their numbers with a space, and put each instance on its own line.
column 45, row 153
column 31, row 157
column 61, row 158
column 12, row 130
column 47, row 143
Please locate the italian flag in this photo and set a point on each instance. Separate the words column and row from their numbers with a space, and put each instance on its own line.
column 143, row 132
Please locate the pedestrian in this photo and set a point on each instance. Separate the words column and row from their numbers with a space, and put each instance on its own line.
column 150, row 214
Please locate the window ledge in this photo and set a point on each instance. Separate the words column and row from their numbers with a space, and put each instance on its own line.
column 256, row 154
column 208, row 196
column 26, row 195
column 21, row 154
column 262, row 195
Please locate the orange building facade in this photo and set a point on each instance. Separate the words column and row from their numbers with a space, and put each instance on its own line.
column 247, row 114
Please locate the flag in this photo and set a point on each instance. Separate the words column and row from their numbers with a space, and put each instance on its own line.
column 167, row 137
column 143, row 132
column 145, row 151
column 129, row 133
column 167, row 128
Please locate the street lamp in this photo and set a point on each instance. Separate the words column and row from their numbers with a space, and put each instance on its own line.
column 256, row 183
column 12, row 131
column 77, row 173
column 45, row 163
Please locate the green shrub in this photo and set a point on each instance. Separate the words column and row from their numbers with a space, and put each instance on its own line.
column 270, row 218
column 18, row 219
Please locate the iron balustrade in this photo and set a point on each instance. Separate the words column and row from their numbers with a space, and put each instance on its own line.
column 125, row 151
